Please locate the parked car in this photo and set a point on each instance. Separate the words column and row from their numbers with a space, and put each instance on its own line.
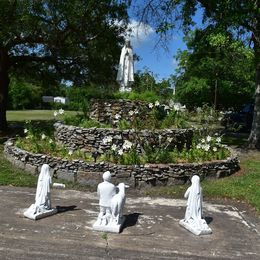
column 239, row 121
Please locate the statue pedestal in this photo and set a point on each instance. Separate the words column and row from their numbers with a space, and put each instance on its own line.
column 29, row 213
column 112, row 227
column 197, row 228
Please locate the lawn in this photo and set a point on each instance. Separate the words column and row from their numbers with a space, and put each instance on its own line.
column 23, row 115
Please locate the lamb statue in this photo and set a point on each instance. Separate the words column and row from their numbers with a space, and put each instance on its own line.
column 117, row 203
column 111, row 202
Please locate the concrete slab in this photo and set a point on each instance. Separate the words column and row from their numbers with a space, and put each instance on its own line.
column 151, row 230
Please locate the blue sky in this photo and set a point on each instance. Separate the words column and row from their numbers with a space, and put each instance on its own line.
column 160, row 62
column 156, row 59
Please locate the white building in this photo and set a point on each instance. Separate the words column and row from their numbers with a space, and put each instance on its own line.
column 62, row 100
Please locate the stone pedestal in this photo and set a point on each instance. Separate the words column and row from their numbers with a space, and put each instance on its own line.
column 31, row 214
column 112, row 227
column 198, row 228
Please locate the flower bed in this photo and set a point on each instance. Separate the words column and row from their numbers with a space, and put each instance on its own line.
column 136, row 175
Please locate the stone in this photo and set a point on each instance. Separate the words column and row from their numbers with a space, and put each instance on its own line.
column 66, row 175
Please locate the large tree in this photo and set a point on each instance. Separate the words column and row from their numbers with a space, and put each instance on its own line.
column 48, row 40
column 214, row 68
column 239, row 17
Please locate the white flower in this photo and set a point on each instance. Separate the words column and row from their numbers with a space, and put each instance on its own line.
column 113, row 147
column 198, row 146
column 176, row 107
column 107, row 139
column 206, row 147
column 127, row 145
column 55, row 113
column 61, row 111
column 25, row 130
column 215, row 149
column 150, row 105
column 117, row 116
column 169, row 139
column 198, row 109
column 70, row 152
column 120, row 151
column 218, row 139
column 43, row 136
column 157, row 103
column 131, row 112
column 203, row 140
column 166, row 107
column 50, row 141
column 208, row 138
column 183, row 108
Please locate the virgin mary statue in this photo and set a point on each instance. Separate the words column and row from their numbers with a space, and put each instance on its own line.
column 43, row 194
column 125, row 74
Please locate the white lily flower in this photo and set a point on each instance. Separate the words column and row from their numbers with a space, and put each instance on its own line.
column 25, row 131
column 113, row 147
column 150, row 105
column 120, row 151
column 117, row 116
column 215, row 149
column 131, row 112
column 43, row 136
column 55, row 113
column 127, row 145
column 206, row 147
column 70, row 152
column 61, row 111
column 169, row 139
column 198, row 146
column 208, row 138
column 218, row 139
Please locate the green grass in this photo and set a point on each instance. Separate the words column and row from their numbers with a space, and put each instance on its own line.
column 23, row 115
column 242, row 186
column 245, row 185
column 11, row 175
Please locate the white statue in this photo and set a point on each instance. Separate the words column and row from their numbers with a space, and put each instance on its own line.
column 193, row 216
column 125, row 74
column 111, row 203
column 42, row 206
column 117, row 204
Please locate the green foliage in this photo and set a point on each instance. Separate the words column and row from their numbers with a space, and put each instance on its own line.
column 147, row 95
column 214, row 66
column 24, row 95
column 62, row 39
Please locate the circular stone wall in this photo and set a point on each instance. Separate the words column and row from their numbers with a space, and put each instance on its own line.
column 92, row 138
column 135, row 175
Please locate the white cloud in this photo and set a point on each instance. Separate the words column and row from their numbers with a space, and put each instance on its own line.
column 140, row 32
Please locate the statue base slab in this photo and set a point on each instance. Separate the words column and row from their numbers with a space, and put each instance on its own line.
column 110, row 227
column 197, row 229
column 30, row 213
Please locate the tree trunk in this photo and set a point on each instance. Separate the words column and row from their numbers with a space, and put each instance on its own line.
column 4, row 83
column 254, row 138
